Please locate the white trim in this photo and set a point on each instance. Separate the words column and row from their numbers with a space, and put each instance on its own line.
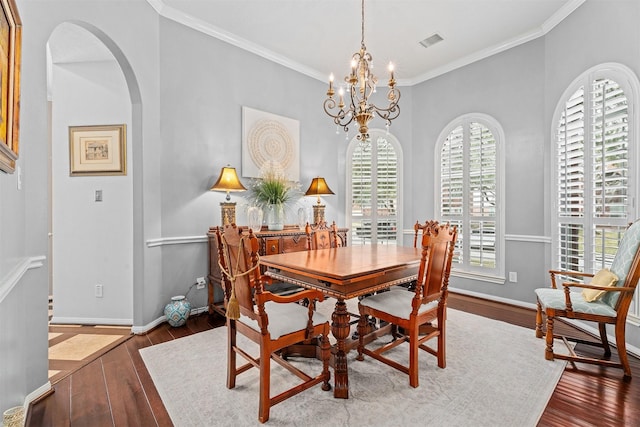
column 508, row 237
column 197, row 24
column 36, row 394
column 527, row 238
column 140, row 330
column 494, row 298
column 12, row 279
column 225, row 36
column 474, row 275
column 180, row 240
column 90, row 321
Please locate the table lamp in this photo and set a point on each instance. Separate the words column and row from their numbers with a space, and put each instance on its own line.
column 318, row 187
column 228, row 181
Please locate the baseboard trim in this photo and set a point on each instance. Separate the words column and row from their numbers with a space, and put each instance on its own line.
column 39, row 393
column 141, row 330
column 59, row 320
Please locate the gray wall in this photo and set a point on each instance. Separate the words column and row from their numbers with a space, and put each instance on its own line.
column 187, row 91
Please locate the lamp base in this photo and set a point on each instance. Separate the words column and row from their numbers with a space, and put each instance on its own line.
column 228, row 212
column 318, row 214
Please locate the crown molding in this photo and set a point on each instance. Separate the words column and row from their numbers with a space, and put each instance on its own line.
column 209, row 29
column 225, row 36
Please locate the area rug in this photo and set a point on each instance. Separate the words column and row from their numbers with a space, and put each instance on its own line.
column 496, row 375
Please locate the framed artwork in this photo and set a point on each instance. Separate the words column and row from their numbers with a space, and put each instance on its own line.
column 10, row 54
column 266, row 138
column 97, row 150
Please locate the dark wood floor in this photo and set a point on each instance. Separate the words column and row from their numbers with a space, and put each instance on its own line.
column 116, row 389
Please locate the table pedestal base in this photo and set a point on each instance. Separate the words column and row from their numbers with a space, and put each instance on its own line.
column 340, row 329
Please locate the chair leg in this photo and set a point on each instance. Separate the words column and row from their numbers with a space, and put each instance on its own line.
column 231, row 354
column 413, row 356
column 442, row 356
column 362, row 327
column 549, row 350
column 265, row 385
column 602, row 327
column 539, row 321
column 622, row 348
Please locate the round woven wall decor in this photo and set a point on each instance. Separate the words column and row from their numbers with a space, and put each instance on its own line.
column 269, row 140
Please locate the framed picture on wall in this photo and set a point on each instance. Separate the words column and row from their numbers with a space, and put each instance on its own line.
column 10, row 54
column 97, row 150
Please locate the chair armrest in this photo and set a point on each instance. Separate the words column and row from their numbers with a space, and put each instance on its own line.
column 600, row 288
column 284, row 299
column 571, row 273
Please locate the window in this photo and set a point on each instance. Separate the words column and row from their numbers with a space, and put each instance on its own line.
column 470, row 193
column 593, row 144
column 373, row 190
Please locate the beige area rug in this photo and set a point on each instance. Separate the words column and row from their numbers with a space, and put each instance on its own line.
column 496, row 375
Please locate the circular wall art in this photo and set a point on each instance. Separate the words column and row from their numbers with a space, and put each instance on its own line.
column 269, row 140
column 268, row 137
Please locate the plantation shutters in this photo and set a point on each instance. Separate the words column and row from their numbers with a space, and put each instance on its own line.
column 468, row 194
column 592, row 158
column 374, row 190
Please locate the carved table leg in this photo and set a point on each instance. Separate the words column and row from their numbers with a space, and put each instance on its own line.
column 340, row 329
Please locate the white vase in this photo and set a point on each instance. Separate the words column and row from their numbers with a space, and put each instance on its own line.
column 275, row 217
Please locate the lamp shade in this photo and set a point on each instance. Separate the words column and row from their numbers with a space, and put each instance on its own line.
column 228, row 181
column 318, row 187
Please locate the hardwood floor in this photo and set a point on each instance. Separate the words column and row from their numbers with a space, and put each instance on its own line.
column 116, row 390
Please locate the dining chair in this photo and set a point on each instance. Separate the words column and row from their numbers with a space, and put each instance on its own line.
column 408, row 311
column 321, row 236
column 604, row 298
column 269, row 320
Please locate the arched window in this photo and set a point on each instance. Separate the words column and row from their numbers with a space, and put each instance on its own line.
column 374, row 189
column 594, row 141
column 469, row 191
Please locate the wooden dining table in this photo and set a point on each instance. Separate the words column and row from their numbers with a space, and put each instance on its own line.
column 344, row 273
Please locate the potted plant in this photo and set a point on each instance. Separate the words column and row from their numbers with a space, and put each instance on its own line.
column 272, row 192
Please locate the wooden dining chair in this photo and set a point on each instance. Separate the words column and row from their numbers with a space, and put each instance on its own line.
column 269, row 320
column 605, row 298
column 408, row 311
column 321, row 236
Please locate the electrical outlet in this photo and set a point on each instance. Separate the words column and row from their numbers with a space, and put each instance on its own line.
column 200, row 283
column 513, row 276
column 98, row 291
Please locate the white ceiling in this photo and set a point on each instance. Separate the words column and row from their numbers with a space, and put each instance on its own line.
column 317, row 37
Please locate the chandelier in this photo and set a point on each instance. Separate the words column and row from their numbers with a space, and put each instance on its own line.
column 361, row 84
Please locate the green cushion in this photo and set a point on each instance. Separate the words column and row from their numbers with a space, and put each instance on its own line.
column 603, row 277
column 554, row 298
column 623, row 259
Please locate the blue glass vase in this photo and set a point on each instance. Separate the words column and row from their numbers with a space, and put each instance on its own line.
column 177, row 311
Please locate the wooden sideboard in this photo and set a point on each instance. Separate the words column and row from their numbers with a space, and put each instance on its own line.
column 291, row 239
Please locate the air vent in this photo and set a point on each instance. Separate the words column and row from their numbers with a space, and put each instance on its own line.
column 431, row 40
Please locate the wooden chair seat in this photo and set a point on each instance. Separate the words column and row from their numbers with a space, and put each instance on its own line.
column 272, row 321
column 611, row 308
column 408, row 311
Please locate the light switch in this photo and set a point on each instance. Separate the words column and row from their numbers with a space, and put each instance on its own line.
column 98, row 195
